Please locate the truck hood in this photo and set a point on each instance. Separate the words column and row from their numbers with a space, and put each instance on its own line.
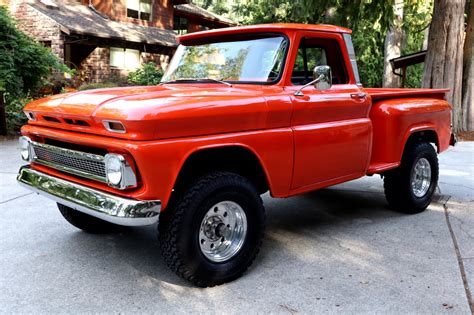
column 156, row 112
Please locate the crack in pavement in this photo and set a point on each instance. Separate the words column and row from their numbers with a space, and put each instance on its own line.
column 459, row 258
column 15, row 198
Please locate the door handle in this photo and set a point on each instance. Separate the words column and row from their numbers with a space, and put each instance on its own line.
column 359, row 95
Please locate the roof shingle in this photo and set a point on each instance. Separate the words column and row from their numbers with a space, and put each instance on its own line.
column 203, row 13
column 76, row 18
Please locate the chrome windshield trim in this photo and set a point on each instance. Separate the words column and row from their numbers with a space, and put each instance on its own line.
column 102, row 205
column 247, row 36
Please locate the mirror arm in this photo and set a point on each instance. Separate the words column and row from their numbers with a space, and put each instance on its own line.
column 300, row 91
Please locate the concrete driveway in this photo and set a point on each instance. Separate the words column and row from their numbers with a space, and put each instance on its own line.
column 335, row 250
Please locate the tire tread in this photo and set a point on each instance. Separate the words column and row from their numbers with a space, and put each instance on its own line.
column 171, row 219
column 397, row 181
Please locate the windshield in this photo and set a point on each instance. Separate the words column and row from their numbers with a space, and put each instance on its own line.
column 248, row 60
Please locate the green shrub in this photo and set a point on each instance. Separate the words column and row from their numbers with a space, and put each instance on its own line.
column 14, row 112
column 25, row 66
column 24, row 63
column 93, row 86
column 148, row 74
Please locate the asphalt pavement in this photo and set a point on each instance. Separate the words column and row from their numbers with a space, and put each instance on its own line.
column 337, row 250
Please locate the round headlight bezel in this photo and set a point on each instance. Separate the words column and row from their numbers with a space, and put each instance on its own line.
column 114, row 169
column 118, row 172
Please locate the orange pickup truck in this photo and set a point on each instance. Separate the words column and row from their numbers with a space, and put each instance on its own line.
column 239, row 112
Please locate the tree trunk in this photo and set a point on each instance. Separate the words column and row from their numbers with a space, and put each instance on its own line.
column 468, row 74
column 3, row 117
column 393, row 45
column 426, row 34
column 443, row 63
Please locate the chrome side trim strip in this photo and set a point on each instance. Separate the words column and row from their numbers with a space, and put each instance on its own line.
column 102, row 205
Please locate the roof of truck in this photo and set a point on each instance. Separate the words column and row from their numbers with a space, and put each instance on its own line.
column 277, row 27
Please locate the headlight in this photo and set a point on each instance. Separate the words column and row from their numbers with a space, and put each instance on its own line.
column 25, row 148
column 118, row 172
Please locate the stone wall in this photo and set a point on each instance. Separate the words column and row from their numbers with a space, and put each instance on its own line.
column 96, row 67
column 38, row 26
column 159, row 59
column 162, row 12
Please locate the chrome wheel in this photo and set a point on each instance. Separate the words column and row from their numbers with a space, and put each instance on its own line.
column 222, row 232
column 421, row 177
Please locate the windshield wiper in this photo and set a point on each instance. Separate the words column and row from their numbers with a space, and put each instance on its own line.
column 184, row 80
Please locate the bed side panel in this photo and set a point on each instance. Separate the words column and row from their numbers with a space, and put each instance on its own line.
column 394, row 120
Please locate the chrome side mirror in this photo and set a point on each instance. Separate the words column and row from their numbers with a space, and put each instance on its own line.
column 322, row 79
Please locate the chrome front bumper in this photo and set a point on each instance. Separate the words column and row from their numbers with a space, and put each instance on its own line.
column 94, row 202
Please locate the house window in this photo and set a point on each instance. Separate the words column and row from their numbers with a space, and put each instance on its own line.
column 139, row 9
column 180, row 25
column 124, row 58
column 46, row 43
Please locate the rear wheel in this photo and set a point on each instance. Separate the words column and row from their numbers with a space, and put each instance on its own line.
column 86, row 222
column 410, row 187
column 214, row 231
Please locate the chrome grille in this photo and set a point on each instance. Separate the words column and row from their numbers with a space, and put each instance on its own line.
column 70, row 161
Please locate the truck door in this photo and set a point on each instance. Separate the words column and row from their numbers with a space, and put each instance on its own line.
column 332, row 129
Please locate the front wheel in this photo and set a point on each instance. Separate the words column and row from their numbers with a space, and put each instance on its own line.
column 410, row 187
column 214, row 232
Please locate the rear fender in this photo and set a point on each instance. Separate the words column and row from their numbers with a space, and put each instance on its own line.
column 396, row 120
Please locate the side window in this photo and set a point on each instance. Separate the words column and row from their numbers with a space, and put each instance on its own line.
column 316, row 56
column 314, row 52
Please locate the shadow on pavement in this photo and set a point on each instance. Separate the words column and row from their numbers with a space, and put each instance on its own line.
column 138, row 247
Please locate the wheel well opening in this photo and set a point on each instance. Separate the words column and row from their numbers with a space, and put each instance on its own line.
column 237, row 160
column 429, row 136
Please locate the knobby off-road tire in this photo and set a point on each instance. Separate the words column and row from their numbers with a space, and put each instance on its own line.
column 188, row 229
column 86, row 222
column 410, row 187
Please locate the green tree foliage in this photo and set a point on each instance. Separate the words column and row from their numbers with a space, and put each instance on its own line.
column 221, row 7
column 148, row 74
column 25, row 65
column 417, row 20
column 369, row 20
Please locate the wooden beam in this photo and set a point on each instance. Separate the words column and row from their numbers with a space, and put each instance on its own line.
column 404, row 76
